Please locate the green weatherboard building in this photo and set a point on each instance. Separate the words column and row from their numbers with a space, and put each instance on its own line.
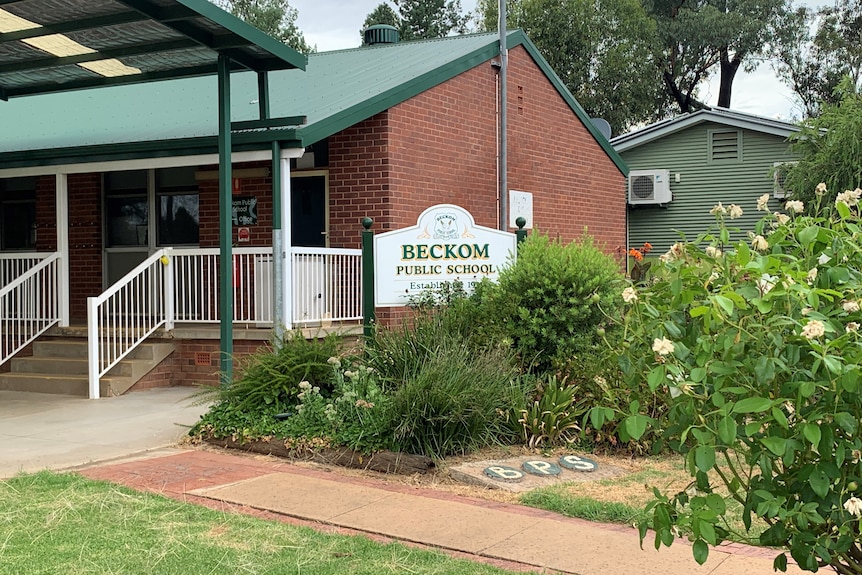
column 680, row 168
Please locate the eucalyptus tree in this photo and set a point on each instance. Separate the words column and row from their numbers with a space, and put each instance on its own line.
column 601, row 49
column 275, row 17
column 817, row 49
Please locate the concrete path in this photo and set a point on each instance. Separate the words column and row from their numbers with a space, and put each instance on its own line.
column 46, row 431
column 39, row 431
column 511, row 536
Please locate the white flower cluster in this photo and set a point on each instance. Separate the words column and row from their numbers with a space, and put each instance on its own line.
column 794, row 206
column 813, row 329
column 662, row 346
column 630, row 295
column 850, row 198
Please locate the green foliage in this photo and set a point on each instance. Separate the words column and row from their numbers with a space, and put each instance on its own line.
column 620, row 81
column 357, row 414
column 430, row 18
column 757, row 351
column 550, row 301
column 813, row 64
column 829, row 145
column 275, row 17
column 272, row 376
column 551, row 417
column 455, row 402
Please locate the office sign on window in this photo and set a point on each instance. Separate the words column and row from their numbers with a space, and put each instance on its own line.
column 444, row 246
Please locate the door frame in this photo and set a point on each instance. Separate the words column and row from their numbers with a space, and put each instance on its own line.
column 326, row 207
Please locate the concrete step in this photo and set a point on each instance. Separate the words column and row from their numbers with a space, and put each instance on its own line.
column 60, row 366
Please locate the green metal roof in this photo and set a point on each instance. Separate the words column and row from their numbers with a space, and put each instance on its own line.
column 62, row 45
column 337, row 90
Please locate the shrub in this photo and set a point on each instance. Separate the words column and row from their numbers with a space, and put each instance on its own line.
column 272, row 375
column 549, row 418
column 756, row 349
column 550, row 301
column 356, row 415
column 456, row 402
column 447, row 316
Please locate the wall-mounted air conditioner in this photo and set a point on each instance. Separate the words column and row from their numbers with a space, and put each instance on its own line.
column 779, row 175
column 649, row 187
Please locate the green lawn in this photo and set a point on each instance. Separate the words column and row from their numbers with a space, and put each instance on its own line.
column 65, row 524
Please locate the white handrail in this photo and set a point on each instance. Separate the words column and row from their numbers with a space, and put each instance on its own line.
column 29, row 306
column 127, row 313
column 13, row 264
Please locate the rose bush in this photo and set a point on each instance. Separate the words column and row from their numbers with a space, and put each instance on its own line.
column 755, row 348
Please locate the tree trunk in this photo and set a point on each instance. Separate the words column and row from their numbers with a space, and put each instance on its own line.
column 728, row 73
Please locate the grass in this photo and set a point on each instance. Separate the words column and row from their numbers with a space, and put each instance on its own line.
column 622, row 499
column 63, row 523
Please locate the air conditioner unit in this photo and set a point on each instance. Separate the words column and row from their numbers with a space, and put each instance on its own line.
column 649, row 187
column 779, row 175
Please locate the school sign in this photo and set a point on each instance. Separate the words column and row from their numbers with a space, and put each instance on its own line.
column 445, row 245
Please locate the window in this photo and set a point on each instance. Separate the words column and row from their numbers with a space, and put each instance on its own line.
column 126, row 208
column 178, row 206
column 18, row 214
column 725, row 146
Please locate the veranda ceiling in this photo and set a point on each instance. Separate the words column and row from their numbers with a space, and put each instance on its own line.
column 60, row 45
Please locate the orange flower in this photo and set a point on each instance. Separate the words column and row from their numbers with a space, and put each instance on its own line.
column 647, row 247
column 636, row 254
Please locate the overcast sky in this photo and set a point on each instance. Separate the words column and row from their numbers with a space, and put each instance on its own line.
column 335, row 24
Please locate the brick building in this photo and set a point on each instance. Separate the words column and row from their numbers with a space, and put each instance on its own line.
column 384, row 131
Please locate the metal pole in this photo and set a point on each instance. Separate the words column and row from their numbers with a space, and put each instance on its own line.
column 367, row 277
column 504, row 64
column 225, row 220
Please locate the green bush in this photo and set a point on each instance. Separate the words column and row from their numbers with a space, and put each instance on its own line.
column 550, row 302
column 272, row 375
column 456, row 402
column 356, row 415
column 444, row 317
column 756, row 348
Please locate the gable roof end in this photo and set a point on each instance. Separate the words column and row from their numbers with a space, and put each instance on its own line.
column 716, row 115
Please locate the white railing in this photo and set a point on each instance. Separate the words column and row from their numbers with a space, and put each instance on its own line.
column 13, row 265
column 127, row 313
column 327, row 285
column 29, row 305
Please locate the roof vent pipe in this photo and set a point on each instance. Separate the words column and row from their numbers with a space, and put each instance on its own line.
column 381, row 34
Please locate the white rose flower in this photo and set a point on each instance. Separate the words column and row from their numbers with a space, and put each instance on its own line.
column 630, row 295
column 713, row 252
column 794, row 206
column 813, row 329
column 854, row 506
column 759, row 243
column 734, row 211
column 851, row 306
column 852, row 326
column 781, row 218
column 820, row 190
column 763, row 203
column 662, row 346
column 766, row 283
column 812, row 276
column 718, row 210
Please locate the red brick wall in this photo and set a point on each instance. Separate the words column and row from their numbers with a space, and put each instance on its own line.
column 46, row 214
column 551, row 154
column 85, row 241
column 259, row 187
column 441, row 147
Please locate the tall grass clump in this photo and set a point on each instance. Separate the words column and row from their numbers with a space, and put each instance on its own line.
column 456, row 402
